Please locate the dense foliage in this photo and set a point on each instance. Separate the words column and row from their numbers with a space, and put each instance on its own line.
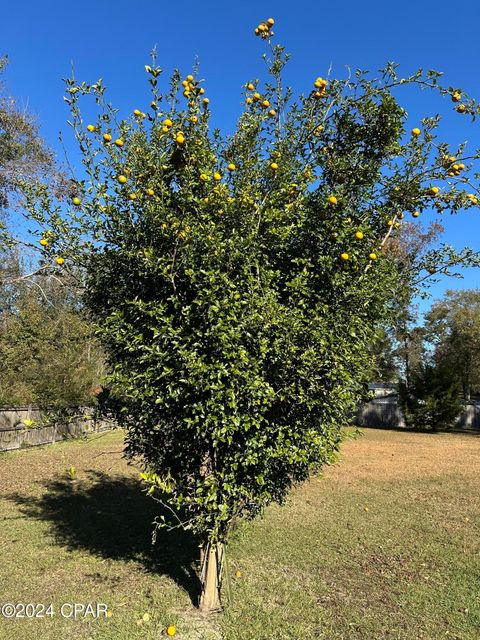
column 237, row 282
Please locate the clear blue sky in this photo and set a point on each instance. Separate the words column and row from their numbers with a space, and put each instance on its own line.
column 112, row 40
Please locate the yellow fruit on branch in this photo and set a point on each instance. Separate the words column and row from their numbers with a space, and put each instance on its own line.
column 416, row 131
column 179, row 138
column 332, row 200
column 249, row 100
column 390, row 223
column 257, row 96
column 434, row 191
column 44, row 242
column 461, row 108
column 272, row 112
column 149, row 192
column 76, row 201
column 265, row 103
column 273, row 166
column 456, row 96
column 206, row 101
column 415, row 214
column 60, row 260
column 194, row 119
column 91, row 127
column 359, row 235
column 119, row 142
column 189, row 78
column 171, row 630
column 107, row 137
column 132, row 196
column 270, row 22
column 250, row 86
column 204, row 177
column 344, row 256
column 167, row 123
column 231, row 166
column 372, row 256
column 238, row 574
column 122, row 179
column 217, row 176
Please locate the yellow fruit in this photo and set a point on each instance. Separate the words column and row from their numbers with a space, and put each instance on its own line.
column 206, row 101
column 122, row 179
column 171, row 630
column 461, row 166
column 344, row 256
column 231, row 166
column 456, row 96
column 238, row 574
column 137, row 112
column 76, row 201
column 189, row 78
column 320, row 83
column 107, row 137
column 150, row 192
column 184, row 83
column 372, row 256
column 265, row 103
column 390, row 223
column 59, row 260
column 249, row 100
column 146, row 617
column 318, row 94
column 91, row 127
column 250, row 86
column 194, row 119
column 416, row 131
column 434, row 190
column 270, row 22
column 365, row 508
column 332, row 200
column 44, row 242
column 217, row 176
column 359, row 235
column 461, row 108
column 274, row 166
column 401, row 216
column 256, row 96
column 415, row 214
column 164, row 129
column 201, row 91
column 203, row 177
column 257, row 31
column 167, row 122
column 119, row 142
column 179, row 138
column 272, row 112
column 132, row 196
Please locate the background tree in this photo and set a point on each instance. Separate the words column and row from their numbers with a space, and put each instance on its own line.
column 430, row 401
column 453, row 326
column 237, row 282
column 49, row 355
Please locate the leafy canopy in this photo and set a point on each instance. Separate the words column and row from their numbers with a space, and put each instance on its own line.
column 237, row 282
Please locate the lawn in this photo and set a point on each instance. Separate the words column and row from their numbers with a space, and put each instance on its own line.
column 385, row 544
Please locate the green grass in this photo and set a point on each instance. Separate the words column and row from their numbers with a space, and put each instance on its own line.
column 385, row 544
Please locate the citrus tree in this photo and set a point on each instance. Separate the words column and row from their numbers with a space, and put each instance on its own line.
column 237, row 281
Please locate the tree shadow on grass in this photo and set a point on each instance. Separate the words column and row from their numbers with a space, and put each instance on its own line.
column 111, row 517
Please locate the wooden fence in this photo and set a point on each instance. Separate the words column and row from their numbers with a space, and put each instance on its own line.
column 385, row 412
column 28, row 426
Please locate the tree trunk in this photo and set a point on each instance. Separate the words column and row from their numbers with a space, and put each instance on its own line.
column 212, row 566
